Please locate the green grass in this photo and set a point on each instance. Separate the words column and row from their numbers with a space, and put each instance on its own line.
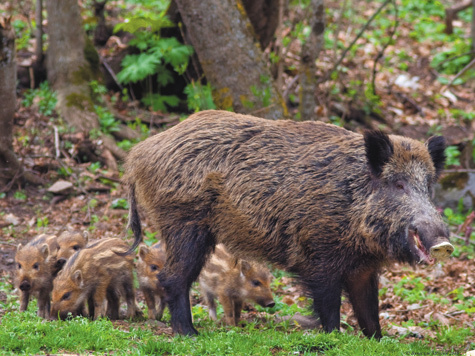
column 25, row 333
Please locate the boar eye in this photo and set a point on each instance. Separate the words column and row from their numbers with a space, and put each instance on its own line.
column 36, row 266
column 400, row 185
column 154, row 268
column 66, row 296
column 256, row 283
column 76, row 247
column 19, row 266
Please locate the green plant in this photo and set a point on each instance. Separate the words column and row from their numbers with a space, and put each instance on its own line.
column 46, row 99
column 156, row 54
column 199, row 96
column 107, row 121
column 22, row 34
column 20, row 195
column 120, row 203
column 94, row 167
column 452, row 153
column 42, row 222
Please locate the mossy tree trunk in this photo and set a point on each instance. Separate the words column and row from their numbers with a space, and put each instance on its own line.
column 69, row 72
column 9, row 165
column 232, row 61
column 11, row 170
column 310, row 51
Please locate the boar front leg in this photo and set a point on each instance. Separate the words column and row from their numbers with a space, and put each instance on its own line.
column 362, row 287
column 228, row 308
column 237, row 310
column 211, row 303
column 25, row 298
column 150, row 301
column 327, row 301
column 44, row 304
column 189, row 248
column 99, row 301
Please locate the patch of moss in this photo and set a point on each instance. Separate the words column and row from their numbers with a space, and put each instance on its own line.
column 80, row 101
column 223, row 99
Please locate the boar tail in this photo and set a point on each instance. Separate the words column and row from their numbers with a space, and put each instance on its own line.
column 134, row 222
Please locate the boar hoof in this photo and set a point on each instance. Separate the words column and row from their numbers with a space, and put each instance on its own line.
column 441, row 251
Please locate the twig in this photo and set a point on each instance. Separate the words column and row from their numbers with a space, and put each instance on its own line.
column 381, row 52
column 339, row 22
column 8, row 244
column 460, row 237
column 463, row 170
column 467, row 67
column 56, row 141
column 453, row 57
column 363, row 29
column 111, row 72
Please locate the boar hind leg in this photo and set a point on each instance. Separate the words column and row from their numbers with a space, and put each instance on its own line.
column 130, row 298
column 362, row 288
column 113, row 304
column 187, row 250
column 327, row 303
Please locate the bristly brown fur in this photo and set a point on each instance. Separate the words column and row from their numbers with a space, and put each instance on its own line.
column 312, row 198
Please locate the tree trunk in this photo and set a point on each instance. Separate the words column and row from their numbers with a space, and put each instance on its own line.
column 473, row 28
column 9, row 165
column 232, row 62
column 68, row 70
column 264, row 17
column 310, row 51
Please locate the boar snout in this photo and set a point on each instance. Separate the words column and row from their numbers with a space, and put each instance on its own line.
column 25, row 286
column 442, row 250
column 270, row 304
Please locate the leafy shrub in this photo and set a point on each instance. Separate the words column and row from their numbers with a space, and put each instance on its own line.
column 155, row 56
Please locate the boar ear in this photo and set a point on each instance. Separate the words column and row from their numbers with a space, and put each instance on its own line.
column 379, row 150
column 77, row 277
column 245, row 266
column 143, row 251
column 44, row 250
column 436, row 146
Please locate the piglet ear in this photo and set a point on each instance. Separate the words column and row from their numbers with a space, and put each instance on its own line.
column 436, row 146
column 379, row 150
column 77, row 278
column 143, row 251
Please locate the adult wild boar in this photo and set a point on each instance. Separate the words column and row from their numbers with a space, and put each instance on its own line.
column 327, row 204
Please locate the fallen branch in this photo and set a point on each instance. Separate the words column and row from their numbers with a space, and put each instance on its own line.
column 459, row 74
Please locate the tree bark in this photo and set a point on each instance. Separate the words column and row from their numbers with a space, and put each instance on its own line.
column 9, row 165
column 68, row 70
column 223, row 38
column 264, row 17
column 310, row 52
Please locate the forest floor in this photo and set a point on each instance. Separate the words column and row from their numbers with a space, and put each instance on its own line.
column 429, row 302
